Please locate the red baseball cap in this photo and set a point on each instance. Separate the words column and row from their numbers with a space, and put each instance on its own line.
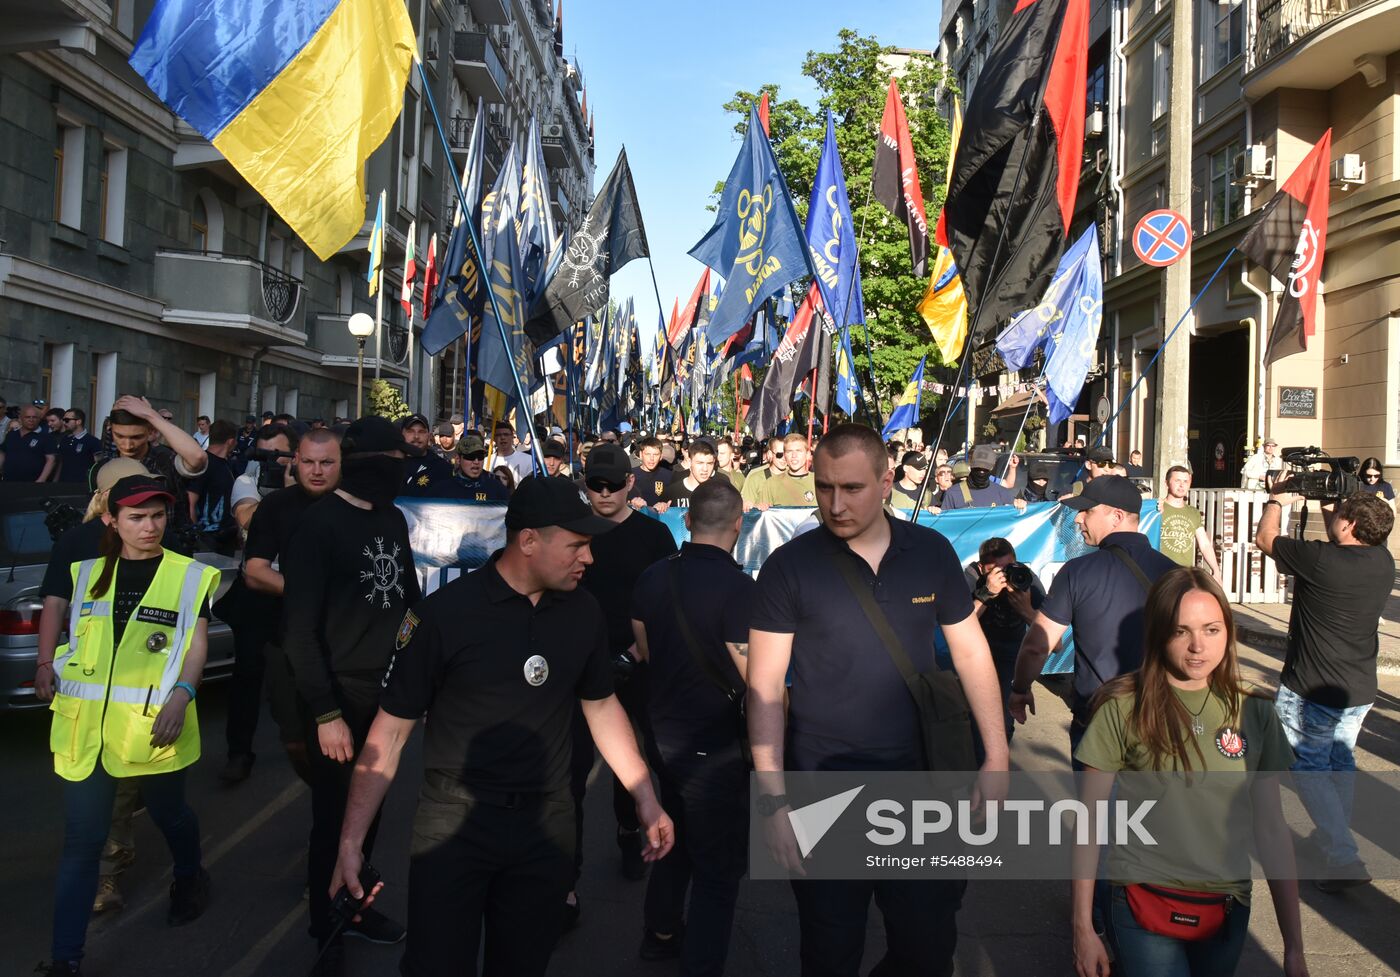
column 137, row 490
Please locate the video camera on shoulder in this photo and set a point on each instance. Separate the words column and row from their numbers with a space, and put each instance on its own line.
column 1318, row 475
column 272, row 468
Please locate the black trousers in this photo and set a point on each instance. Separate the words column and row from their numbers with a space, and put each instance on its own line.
column 706, row 795
column 330, row 789
column 632, row 695
column 485, row 864
column 252, row 630
column 921, row 929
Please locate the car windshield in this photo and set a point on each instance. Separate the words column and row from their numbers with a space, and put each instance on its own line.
column 24, row 538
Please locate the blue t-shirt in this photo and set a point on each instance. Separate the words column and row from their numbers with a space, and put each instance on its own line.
column 1103, row 600
column 982, row 498
column 25, row 454
column 75, row 457
column 849, row 706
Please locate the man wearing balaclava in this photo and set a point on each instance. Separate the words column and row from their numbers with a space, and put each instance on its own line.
column 978, row 491
column 1038, row 483
column 349, row 581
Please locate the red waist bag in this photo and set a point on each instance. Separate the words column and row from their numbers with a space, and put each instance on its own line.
column 1178, row 913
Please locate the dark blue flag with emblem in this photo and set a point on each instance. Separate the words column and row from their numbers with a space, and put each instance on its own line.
column 460, row 295
column 831, row 237
column 497, row 363
column 537, row 236
column 756, row 243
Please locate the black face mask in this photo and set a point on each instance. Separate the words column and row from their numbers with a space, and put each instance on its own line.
column 1036, row 491
column 979, row 478
column 374, row 478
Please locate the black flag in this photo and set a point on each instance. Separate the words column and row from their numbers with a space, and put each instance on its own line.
column 610, row 236
column 1016, row 173
column 774, row 399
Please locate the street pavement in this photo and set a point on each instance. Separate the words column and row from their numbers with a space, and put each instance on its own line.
column 255, row 837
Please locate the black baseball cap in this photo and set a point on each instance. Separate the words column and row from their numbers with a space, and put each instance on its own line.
column 1110, row 490
column 553, row 449
column 1041, row 469
column 136, row 490
column 372, row 433
column 608, row 462
column 1100, row 456
column 540, row 501
column 984, row 456
column 445, row 430
column 413, row 419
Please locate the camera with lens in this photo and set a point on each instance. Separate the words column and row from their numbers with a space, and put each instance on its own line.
column 60, row 516
column 1018, row 577
column 1318, row 475
column 272, row 468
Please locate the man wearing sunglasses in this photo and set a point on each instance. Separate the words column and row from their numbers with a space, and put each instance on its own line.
column 77, row 449
column 754, row 484
column 471, row 482
column 619, row 557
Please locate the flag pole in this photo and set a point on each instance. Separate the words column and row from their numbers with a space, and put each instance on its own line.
column 379, row 310
column 412, row 397
column 522, row 397
column 869, row 356
column 660, row 315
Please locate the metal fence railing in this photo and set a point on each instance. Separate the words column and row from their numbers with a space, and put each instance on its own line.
column 1284, row 22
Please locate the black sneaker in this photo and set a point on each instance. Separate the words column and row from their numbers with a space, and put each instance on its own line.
column 1347, row 877
column 189, row 897
column 376, row 927
column 654, row 947
column 238, row 769
column 331, row 960
column 60, row 968
column 634, row 869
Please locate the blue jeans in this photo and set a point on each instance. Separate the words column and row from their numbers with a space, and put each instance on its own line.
column 87, row 811
column 1324, row 741
column 1139, row 953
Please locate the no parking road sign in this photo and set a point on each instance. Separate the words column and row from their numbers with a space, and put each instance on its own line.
column 1161, row 238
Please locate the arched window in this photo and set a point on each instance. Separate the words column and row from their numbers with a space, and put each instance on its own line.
column 199, row 226
column 207, row 221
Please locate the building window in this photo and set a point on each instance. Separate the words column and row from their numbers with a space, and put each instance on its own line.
column 1096, row 89
column 207, row 222
column 1161, row 74
column 1226, row 200
column 68, row 176
column 112, row 199
column 1222, row 27
column 276, row 251
column 199, row 226
column 345, row 296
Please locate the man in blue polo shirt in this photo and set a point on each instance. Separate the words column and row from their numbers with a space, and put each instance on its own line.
column 29, row 453
column 77, row 450
column 849, row 706
column 1100, row 594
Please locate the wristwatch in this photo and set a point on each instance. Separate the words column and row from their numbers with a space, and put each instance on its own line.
column 769, row 804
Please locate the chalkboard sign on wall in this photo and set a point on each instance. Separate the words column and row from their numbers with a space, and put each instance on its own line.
column 1297, row 401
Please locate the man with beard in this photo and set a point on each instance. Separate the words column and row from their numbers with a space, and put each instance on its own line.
column 422, row 466
column 348, row 581
column 258, row 618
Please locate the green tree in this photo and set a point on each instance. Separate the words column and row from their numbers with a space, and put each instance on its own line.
column 852, row 81
column 385, row 401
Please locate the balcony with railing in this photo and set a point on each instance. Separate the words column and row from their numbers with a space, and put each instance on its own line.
column 489, row 11
column 1318, row 44
column 459, row 137
column 478, row 66
column 339, row 350
column 233, row 295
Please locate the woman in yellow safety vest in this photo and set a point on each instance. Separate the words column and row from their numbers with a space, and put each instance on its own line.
column 123, row 704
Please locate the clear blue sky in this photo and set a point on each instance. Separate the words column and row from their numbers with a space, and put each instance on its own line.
column 659, row 72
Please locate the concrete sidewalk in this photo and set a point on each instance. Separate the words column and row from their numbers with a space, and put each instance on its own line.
column 1266, row 626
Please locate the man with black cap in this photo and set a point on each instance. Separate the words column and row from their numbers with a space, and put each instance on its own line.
column 493, row 838
column 555, row 454
column 913, row 471
column 1037, row 483
column 980, row 490
column 445, row 440
column 348, row 580
column 1100, row 594
column 422, row 466
column 1097, row 463
column 471, row 482
column 635, row 542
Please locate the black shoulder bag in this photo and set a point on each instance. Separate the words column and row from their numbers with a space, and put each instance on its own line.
column 945, row 719
column 707, row 665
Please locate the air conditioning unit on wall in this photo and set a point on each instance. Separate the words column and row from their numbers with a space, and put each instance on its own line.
column 1094, row 123
column 1348, row 171
column 552, row 131
column 1252, row 166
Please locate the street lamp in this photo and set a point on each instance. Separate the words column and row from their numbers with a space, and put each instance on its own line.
column 361, row 326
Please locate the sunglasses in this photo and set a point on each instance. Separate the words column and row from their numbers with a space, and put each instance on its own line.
column 603, row 486
column 39, row 402
column 70, row 420
column 777, row 454
column 476, row 456
column 1371, row 475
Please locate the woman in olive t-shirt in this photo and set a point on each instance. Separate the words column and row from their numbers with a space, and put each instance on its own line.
column 1187, row 710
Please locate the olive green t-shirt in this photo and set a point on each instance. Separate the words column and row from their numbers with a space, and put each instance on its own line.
column 753, row 484
column 788, row 490
column 1179, row 527
column 1202, row 810
column 736, row 478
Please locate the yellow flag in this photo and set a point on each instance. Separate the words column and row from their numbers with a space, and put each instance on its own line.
column 944, row 306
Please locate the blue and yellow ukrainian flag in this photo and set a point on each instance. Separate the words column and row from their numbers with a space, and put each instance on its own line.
column 906, row 409
column 376, row 248
column 944, row 306
column 296, row 94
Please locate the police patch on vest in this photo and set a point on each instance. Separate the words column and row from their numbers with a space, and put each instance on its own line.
column 1231, row 743
column 157, row 615
column 406, row 629
column 536, row 670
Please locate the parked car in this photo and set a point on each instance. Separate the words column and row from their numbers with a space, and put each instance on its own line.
column 25, row 544
column 1065, row 471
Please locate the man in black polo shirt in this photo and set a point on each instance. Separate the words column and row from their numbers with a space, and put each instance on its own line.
column 422, row 465
column 635, row 542
column 849, row 707
column 649, row 488
column 77, row 449
column 493, row 838
column 28, row 454
column 1101, row 595
column 692, row 608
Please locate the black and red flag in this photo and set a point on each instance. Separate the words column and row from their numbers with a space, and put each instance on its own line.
column 1016, row 173
column 896, row 178
column 774, row 399
column 1290, row 239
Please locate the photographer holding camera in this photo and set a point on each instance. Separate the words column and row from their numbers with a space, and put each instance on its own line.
column 1328, row 682
column 1005, row 598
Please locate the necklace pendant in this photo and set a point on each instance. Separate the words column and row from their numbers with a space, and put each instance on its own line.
column 1197, row 728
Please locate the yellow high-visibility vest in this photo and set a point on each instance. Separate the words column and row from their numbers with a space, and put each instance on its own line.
column 106, row 699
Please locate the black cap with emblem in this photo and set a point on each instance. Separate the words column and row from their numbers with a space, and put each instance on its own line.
column 539, row 502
